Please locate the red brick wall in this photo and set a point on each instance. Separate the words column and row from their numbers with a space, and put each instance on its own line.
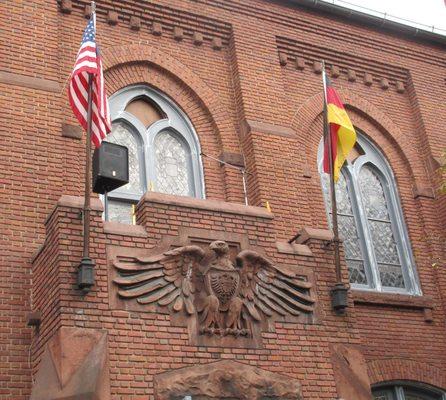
column 142, row 344
column 241, row 98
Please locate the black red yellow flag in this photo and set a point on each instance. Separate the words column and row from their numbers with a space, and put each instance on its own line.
column 341, row 131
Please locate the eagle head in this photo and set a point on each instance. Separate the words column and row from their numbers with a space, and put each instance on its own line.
column 219, row 247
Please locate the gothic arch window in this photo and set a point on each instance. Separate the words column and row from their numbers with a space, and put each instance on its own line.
column 371, row 223
column 407, row 391
column 164, row 151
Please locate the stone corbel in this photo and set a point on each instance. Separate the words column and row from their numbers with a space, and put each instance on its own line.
column 74, row 365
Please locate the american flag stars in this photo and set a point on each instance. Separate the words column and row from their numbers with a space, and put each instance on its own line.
column 88, row 70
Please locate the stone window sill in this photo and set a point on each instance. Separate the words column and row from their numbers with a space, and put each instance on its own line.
column 116, row 228
column 293, row 248
column 424, row 303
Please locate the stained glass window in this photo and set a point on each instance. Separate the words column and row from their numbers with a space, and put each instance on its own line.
column 172, row 164
column 120, row 211
column 163, row 149
column 347, row 229
column 371, row 224
column 121, row 134
column 380, row 226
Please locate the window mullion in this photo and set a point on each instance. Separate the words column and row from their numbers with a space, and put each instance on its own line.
column 363, row 228
column 150, row 157
column 143, row 161
column 399, row 393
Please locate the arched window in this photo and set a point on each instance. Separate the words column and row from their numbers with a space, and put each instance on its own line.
column 164, row 152
column 407, row 391
column 371, row 224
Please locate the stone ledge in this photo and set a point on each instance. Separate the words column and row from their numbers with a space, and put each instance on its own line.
column 29, row 82
column 71, row 131
column 202, row 204
column 78, row 202
column 420, row 190
column 305, row 234
column 233, row 158
column 270, row 129
column 392, row 299
column 75, row 202
column 293, row 248
column 116, row 228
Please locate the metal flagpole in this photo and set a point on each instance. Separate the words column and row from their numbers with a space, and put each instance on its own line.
column 85, row 277
column 339, row 292
column 86, row 251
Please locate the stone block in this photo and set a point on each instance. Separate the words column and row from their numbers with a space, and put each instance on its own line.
column 178, row 33
column 74, row 366
column 198, row 38
column 216, row 43
column 66, row 6
column 135, row 23
column 157, row 29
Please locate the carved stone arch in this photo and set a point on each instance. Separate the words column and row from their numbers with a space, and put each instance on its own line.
column 363, row 112
column 228, row 380
column 402, row 369
column 118, row 55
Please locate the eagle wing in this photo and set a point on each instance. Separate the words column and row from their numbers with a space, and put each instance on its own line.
column 165, row 279
column 267, row 289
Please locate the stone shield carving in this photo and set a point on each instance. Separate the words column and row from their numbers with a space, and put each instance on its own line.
column 223, row 284
column 224, row 297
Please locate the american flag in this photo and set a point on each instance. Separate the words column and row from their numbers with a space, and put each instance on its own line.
column 88, row 61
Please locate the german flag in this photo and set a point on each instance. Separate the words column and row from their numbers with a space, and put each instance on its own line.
column 342, row 134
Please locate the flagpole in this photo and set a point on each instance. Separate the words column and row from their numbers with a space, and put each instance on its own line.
column 339, row 288
column 87, row 205
column 85, row 278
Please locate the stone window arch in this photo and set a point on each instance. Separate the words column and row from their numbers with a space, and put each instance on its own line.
column 164, row 151
column 403, row 390
column 377, row 247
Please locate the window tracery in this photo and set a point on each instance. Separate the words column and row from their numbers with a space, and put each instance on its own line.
column 371, row 224
column 164, row 152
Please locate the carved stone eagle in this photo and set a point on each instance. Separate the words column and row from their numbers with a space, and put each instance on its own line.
column 226, row 297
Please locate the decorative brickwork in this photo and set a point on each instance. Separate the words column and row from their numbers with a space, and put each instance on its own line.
column 392, row 369
column 248, row 76
column 292, row 53
column 180, row 24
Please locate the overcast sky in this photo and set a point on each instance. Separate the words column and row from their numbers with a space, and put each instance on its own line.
column 428, row 12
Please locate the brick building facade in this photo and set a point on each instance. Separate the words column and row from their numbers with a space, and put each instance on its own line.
column 244, row 77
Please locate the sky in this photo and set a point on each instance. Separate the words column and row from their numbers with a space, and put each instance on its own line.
column 427, row 12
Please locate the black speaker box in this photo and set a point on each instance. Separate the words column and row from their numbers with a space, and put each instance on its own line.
column 110, row 167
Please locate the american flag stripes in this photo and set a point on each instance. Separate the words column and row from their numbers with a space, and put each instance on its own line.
column 88, row 62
